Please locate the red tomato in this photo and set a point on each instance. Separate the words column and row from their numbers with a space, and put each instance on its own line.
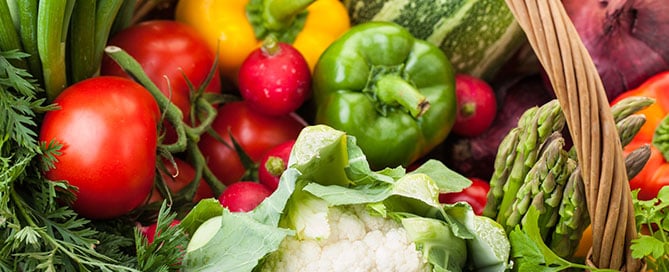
column 256, row 133
column 180, row 177
column 273, row 163
column 167, row 51
column 243, row 196
column 476, row 195
column 108, row 130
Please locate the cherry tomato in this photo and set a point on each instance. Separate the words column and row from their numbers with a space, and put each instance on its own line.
column 167, row 51
column 476, row 195
column 273, row 163
column 178, row 178
column 255, row 132
column 107, row 127
column 243, row 196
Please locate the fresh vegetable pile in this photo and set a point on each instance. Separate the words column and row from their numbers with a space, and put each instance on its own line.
column 330, row 135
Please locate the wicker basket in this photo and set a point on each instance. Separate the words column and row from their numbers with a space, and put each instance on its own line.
column 580, row 92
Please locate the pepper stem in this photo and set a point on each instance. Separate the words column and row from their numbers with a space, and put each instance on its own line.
column 391, row 89
column 279, row 14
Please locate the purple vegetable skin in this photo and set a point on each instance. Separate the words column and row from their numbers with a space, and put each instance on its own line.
column 627, row 39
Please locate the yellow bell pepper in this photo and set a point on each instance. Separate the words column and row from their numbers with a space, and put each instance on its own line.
column 234, row 34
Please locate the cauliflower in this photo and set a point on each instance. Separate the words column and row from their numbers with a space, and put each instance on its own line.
column 331, row 212
column 357, row 242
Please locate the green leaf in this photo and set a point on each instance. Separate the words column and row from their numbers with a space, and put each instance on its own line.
column 238, row 245
column 648, row 246
column 205, row 209
column 449, row 181
column 435, row 240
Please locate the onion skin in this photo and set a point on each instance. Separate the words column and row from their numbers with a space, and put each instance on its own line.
column 628, row 40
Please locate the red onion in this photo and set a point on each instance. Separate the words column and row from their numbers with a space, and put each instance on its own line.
column 627, row 39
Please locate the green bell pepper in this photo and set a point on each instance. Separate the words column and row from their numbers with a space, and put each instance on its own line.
column 394, row 93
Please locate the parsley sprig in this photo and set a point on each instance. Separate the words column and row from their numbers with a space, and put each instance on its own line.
column 530, row 253
column 652, row 217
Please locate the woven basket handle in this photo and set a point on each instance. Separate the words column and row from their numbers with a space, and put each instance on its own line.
column 580, row 92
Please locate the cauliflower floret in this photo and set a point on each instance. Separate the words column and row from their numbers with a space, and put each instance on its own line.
column 358, row 242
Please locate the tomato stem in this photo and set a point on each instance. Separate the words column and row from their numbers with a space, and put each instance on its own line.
column 187, row 137
column 392, row 89
column 172, row 112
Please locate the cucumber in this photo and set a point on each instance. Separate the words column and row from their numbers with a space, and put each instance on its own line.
column 478, row 36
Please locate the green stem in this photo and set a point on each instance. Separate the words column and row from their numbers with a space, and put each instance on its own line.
column 201, row 168
column 270, row 45
column 9, row 37
column 392, row 89
column 468, row 109
column 124, row 17
column 275, row 166
column 105, row 14
column 172, row 112
column 28, row 30
column 209, row 116
column 81, row 43
column 52, row 23
column 279, row 14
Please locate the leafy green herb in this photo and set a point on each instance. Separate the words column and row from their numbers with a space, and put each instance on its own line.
column 167, row 249
column 652, row 215
column 529, row 251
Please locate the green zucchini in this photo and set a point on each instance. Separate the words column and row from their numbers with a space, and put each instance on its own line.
column 478, row 36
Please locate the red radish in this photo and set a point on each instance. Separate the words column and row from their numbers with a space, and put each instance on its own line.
column 150, row 230
column 273, row 163
column 275, row 79
column 477, row 105
column 243, row 196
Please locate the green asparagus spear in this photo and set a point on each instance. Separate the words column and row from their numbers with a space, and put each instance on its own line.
column 543, row 185
column 629, row 126
column 629, row 106
column 506, row 155
column 573, row 211
column 548, row 119
column 573, row 219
